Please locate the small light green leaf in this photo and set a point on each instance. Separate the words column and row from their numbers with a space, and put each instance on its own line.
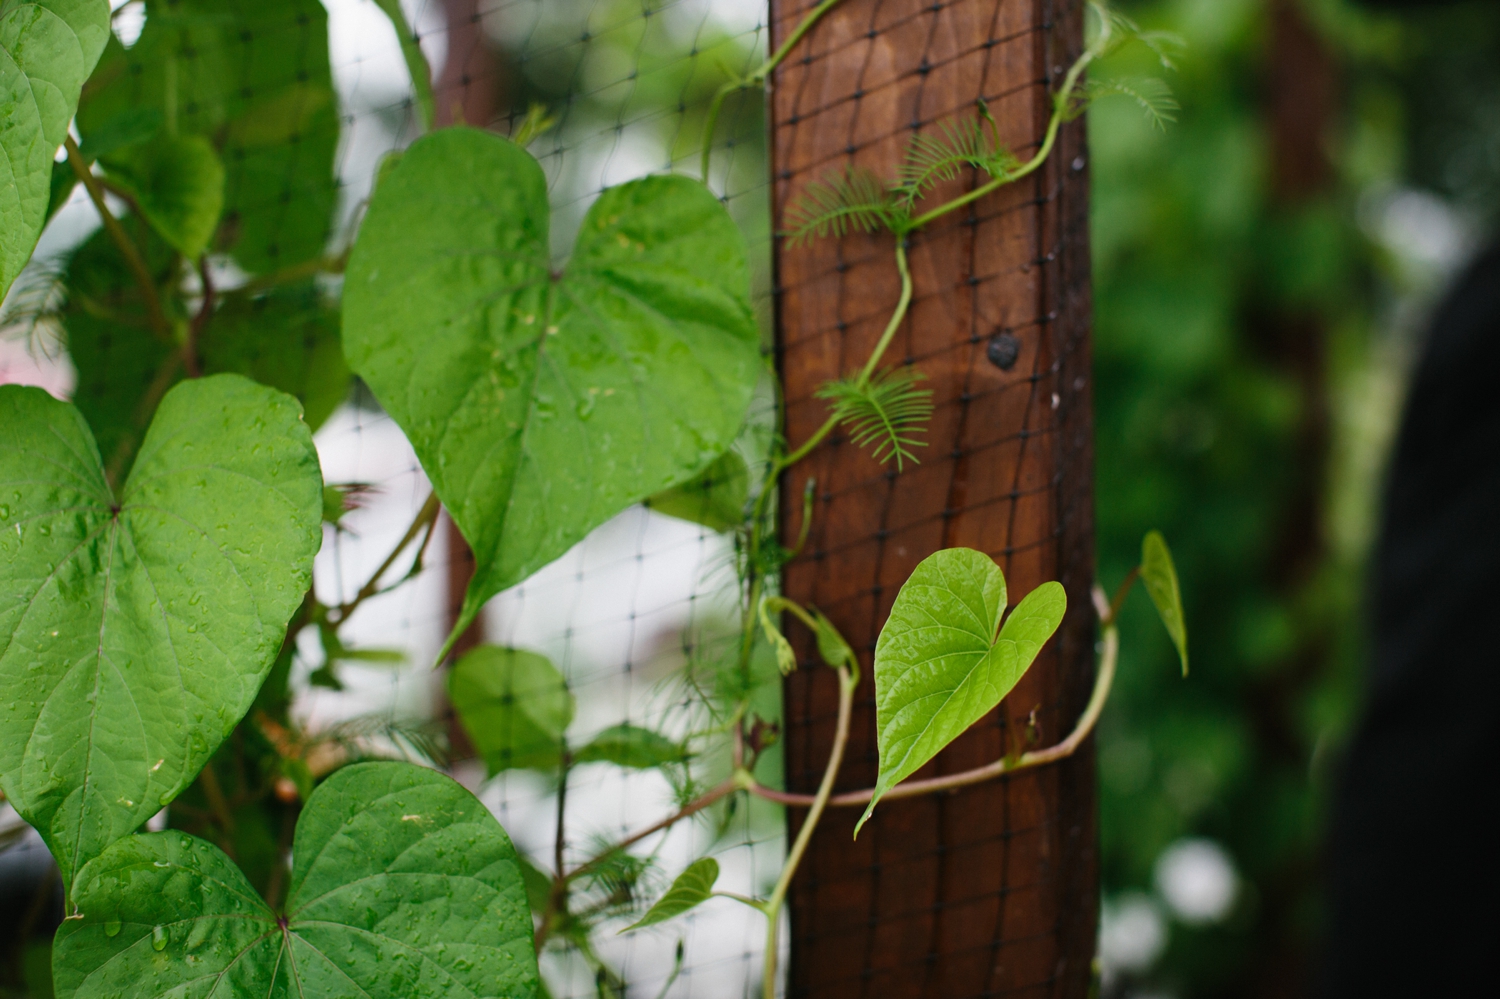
column 403, row 885
column 541, row 405
column 632, row 746
column 1160, row 576
column 48, row 48
column 135, row 631
column 786, row 659
column 692, row 888
column 939, row 666
column 716, row 498
column 514, row 705
column 178, row 182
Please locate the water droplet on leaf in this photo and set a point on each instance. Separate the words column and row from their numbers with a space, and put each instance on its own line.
column 112, row 928
column 158, row 938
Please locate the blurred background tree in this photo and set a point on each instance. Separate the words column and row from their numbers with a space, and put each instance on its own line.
column 1262, row 269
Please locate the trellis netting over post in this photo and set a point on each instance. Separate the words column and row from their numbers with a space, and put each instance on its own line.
column 991, row 890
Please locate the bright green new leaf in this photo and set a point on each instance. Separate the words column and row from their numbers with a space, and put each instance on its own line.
column 632, row 746
column 541, row 404
column 403, row 884
column 939, row 665
column 514, row 705
column 135, row 630
column 47, row 50
column 692, row 888
column 716, row 498
column 178, row 182
column 1160, row 576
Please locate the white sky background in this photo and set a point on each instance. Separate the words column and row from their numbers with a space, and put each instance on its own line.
column 616, row 599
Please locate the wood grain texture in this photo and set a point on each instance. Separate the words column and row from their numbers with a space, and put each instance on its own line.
column 991, row 891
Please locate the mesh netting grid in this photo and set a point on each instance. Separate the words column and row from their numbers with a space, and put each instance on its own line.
column 628, row 84
column 983, row 892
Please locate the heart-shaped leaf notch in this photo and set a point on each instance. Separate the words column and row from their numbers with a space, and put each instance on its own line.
column 403, row 885
column 940, row 665
column 543, row 404
column 135, row 631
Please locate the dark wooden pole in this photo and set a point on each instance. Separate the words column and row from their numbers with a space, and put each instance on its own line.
column 992, row 890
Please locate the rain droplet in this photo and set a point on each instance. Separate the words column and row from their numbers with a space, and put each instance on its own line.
column 4, row 511
column 112, row 928
column 158, row 938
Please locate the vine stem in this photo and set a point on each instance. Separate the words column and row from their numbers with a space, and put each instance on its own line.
column 757, row 77
column 121, row 239
column 820, row 802
column 891, row 326
column 416, row 63
column 902, row 304
column 425, row 518
column 1060, row 104
column 190, row 359
column 722, row 790
column 1109, row 654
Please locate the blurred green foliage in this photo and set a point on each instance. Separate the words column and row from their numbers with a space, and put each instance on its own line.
column 1240, row 334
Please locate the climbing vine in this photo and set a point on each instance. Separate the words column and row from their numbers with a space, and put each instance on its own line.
column 156, row 544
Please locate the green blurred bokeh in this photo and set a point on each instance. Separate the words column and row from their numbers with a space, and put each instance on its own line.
column 1250, row 349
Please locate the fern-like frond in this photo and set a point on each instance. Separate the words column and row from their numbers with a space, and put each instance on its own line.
column 1119, row 30
column 852, row 199
column 382, row 737
column 884, row 413
column 33, row 311
column 931, row 158
column 1152, row 94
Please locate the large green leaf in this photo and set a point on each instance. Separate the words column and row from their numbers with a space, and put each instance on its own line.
column 178, row 182
column 253, row 77
column 404, row 886
column 47, row 50
column 1160, row 576
column 939, row 665
column 692, row 888
column 135, row 631
column 543, row 404
column 632, row 746
column 515, row 706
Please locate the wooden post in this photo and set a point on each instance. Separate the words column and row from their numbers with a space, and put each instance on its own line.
column 992, row 890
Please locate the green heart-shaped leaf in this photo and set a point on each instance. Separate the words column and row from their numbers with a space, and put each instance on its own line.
column 48, row 48
column 692, row 888
column 632, row 746
column 135, row 631
column 541, row 405
column 939, row 665
column 404, row 885
column 514, row 705
column 1160, row 576
column 178, row 182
